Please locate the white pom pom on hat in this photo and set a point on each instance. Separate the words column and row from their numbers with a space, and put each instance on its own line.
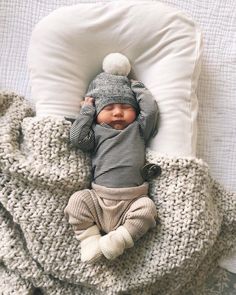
column 116, row 64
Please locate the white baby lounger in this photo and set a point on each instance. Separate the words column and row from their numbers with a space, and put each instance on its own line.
column 163, row 45
column 40, row 170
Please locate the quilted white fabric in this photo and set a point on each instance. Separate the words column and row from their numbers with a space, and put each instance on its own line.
column 216, row 90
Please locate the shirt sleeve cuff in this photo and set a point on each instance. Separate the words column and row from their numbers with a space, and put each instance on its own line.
column 137, row 84
column 87, row 110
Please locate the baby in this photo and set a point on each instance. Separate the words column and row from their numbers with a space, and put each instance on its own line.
column 117, row 119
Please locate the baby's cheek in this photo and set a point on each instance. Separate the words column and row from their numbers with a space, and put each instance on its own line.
column 132, row 116
column 103, row 117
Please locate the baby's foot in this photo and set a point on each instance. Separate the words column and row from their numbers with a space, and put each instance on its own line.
column 90, row 249
column 115, row 242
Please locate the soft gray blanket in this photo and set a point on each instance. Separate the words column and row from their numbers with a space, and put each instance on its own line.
column 39, row 171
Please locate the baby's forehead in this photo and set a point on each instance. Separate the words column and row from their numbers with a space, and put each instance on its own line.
column 121, row 105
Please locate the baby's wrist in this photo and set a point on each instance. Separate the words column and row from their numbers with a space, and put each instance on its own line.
column 137, row 84
column 87, row 109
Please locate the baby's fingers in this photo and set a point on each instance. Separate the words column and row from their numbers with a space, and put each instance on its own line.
column 88, row 100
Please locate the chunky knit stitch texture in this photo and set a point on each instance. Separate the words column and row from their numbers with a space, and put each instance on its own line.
column 39, row 172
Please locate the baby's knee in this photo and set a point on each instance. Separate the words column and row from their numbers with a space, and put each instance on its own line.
column 141, row 216
column 152, row 207
column 77, row 201
column 146, row 206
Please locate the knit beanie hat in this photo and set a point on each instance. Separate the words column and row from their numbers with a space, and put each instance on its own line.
column 112, row 85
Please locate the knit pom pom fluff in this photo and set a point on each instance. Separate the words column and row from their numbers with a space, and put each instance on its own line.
column 116, row 64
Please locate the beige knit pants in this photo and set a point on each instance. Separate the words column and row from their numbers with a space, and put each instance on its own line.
column 109, row 208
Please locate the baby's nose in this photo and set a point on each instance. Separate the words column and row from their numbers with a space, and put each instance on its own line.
column 117, row 111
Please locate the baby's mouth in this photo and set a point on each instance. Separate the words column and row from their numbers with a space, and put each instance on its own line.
column 118, row 124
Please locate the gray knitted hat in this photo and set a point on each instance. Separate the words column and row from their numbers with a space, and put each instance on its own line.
column 112, row 86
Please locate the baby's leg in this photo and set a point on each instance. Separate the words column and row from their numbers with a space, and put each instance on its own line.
column 81, row 212
column 139, row 218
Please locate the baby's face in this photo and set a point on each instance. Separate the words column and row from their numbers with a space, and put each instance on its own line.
column 118, row 116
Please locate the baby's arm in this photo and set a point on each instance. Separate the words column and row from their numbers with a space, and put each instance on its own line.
column 149, row 113
column 81, row 133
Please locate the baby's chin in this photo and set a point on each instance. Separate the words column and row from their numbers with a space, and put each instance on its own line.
column 118, row 126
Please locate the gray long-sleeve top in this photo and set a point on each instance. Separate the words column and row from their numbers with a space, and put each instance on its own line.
column 117, row 155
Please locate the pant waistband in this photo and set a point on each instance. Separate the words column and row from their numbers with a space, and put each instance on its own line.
column 123, row 193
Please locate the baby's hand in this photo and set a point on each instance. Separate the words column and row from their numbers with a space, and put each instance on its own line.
column 88, row 101
column 135, row 84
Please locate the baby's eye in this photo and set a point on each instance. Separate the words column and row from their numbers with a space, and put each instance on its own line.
column 126, row 106
column 108, row 108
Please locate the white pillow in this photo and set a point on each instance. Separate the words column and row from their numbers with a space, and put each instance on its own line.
column 163, row 45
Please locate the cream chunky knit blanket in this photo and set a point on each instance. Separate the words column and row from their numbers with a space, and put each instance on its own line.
column 39, row 171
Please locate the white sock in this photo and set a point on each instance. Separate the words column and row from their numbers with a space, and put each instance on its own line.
column 89, row 241
column 115, row 242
